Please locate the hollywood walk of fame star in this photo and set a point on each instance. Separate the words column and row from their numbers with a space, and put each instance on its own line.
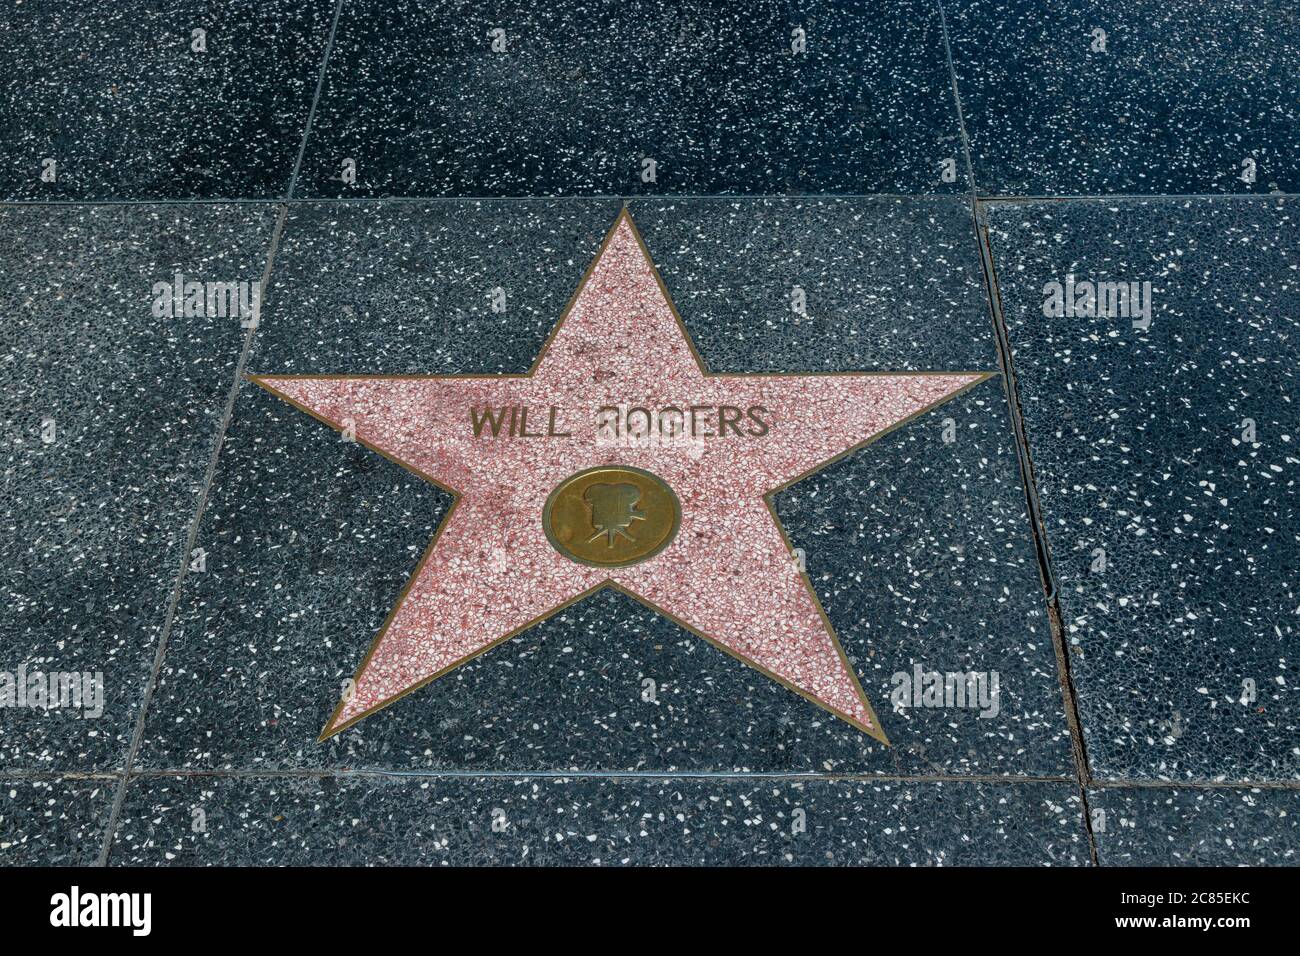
column 548, row 481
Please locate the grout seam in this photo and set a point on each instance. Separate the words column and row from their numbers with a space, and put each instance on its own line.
column 613, row 775
column 1037, row 528
column 1025, row 463
column 1136, row 783
column 137, row 735
column 649, row 197
column 1137, row 197
column 315, row 100
column 956, row 98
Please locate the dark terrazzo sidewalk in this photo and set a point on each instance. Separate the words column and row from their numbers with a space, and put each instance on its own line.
column 220, row 562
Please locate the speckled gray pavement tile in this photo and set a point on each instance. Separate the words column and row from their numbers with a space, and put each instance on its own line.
column 878, row 276
column 119, row 98
column 1182, row 641
column 53, row 822
column 1183, row 94
column 352, row 820
column 311, row 538
column 587, row 90
column 109, row 417
column 1219, row 826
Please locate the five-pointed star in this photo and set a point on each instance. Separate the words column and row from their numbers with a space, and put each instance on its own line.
column 727, row 575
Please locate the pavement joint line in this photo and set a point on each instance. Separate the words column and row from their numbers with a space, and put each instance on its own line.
column 1032, row 508
column 192, row 537
column 1002, row 340
column 1037, row 527
column 773, row 776
column 956, row 97
column 1153, row 784
column 1139, row 197
column 311, row 113
column 20, row 776
column 567, row 197
column 647, row 198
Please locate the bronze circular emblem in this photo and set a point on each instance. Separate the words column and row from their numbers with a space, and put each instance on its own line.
column 611, row 516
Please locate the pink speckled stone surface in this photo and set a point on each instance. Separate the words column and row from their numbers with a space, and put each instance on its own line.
column 728, row 575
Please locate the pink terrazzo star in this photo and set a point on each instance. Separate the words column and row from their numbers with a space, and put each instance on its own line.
column 728, row 574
